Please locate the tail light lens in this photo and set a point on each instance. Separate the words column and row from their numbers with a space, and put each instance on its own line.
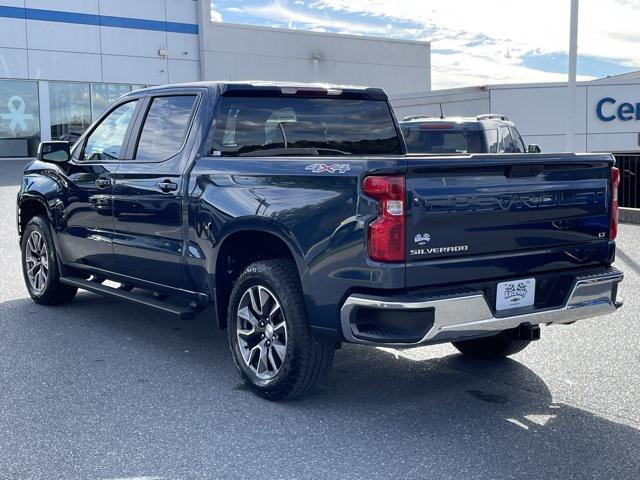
column 615, row 183
column 387, row 232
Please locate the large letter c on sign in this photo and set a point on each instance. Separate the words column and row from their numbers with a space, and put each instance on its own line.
column 602, row 116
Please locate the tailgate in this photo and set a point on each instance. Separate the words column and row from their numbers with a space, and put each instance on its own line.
column 471, row 215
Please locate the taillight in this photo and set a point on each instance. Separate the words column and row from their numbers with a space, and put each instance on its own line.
column 615, row 183
column 387, row 232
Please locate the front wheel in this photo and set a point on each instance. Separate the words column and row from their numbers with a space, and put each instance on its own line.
column 487, row 348
column 273, row 347
column 40, row 266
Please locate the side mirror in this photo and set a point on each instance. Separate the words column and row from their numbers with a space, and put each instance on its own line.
column 531, row 148
column 54, row 151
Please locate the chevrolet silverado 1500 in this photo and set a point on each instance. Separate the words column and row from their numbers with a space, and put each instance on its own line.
column 295, row 212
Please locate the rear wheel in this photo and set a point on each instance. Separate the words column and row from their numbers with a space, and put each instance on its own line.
column 498, row 346
column 273, row 347
column 40, row 266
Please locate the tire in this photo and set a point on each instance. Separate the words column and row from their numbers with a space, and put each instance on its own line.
column 40, row 265
column 282, row 358
column 488, row 348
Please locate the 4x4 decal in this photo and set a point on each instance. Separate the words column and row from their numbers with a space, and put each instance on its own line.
column 328, row 168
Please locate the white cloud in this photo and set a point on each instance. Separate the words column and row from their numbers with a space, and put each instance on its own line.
column 216, row 16
column 279, row 11
column 463, row 70
column 485, row 41
column 541, row 25
column 490, row 37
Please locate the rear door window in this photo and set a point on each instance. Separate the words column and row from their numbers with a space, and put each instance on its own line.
column 165, row 127
column 506, row 144
column 517, row 141
column 492, row 140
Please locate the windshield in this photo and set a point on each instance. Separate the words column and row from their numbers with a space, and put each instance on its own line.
column 430, row 140
column 275, row 126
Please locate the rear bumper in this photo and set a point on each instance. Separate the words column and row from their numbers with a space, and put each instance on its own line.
column 462, row 314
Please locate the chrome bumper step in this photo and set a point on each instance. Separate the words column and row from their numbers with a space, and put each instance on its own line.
column 467, row 313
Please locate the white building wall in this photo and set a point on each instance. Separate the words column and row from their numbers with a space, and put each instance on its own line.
column 239, row 52
column 61, row 50
column 540, row 114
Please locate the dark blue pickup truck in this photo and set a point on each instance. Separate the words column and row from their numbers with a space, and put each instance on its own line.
column 295, row 212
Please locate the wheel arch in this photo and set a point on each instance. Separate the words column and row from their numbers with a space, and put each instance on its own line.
column 30, row 206
column 241, row 247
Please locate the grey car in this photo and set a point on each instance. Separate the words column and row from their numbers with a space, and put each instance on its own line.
column 490, row 133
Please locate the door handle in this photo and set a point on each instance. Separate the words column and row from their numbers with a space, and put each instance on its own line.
column 103, row 182
column 168, row 186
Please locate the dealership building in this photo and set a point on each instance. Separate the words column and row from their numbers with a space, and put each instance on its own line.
column 606, row 116
column 62, row 62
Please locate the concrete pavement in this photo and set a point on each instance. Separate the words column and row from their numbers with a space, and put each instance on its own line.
column 102, row 390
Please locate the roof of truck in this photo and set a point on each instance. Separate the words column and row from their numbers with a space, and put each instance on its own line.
column 289, row 87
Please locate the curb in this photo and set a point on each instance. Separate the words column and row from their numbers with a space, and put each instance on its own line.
column 630, row 215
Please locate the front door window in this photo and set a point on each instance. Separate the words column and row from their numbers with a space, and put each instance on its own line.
column 105, row 142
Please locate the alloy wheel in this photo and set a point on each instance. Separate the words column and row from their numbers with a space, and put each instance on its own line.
column 37, row 261
column 261, row 332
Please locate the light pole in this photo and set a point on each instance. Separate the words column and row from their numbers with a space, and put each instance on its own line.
column 571, row 84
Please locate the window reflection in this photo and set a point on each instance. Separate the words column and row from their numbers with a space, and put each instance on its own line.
column 492, row 140
column 70, row 110
column 19, row 118
column 165, row 127
column 105, row 142
column 506, row 141
column 103, row 95
column 325, row 125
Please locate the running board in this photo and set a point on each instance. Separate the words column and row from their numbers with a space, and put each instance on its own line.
column 184, row 313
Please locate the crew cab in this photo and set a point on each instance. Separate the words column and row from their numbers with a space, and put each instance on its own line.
column 294, row 211
column 487, row 133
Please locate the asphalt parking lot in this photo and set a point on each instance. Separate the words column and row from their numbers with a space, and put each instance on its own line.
column 104, row 390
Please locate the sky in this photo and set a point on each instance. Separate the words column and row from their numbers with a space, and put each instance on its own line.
column 472, row 42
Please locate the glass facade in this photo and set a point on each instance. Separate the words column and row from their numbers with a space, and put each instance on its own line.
column 19, row 118
column 69, row 109
column 104, row 94
column 72, row 106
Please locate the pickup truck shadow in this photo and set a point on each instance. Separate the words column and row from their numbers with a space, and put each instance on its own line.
column 627, row 260
column 377, row 411
column 11, row 172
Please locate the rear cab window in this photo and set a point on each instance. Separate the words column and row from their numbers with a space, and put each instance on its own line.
column 506, row 144
column 296, row 125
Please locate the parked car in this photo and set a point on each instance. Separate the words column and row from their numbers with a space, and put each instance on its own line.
column 490, row 133
column 294, row 212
